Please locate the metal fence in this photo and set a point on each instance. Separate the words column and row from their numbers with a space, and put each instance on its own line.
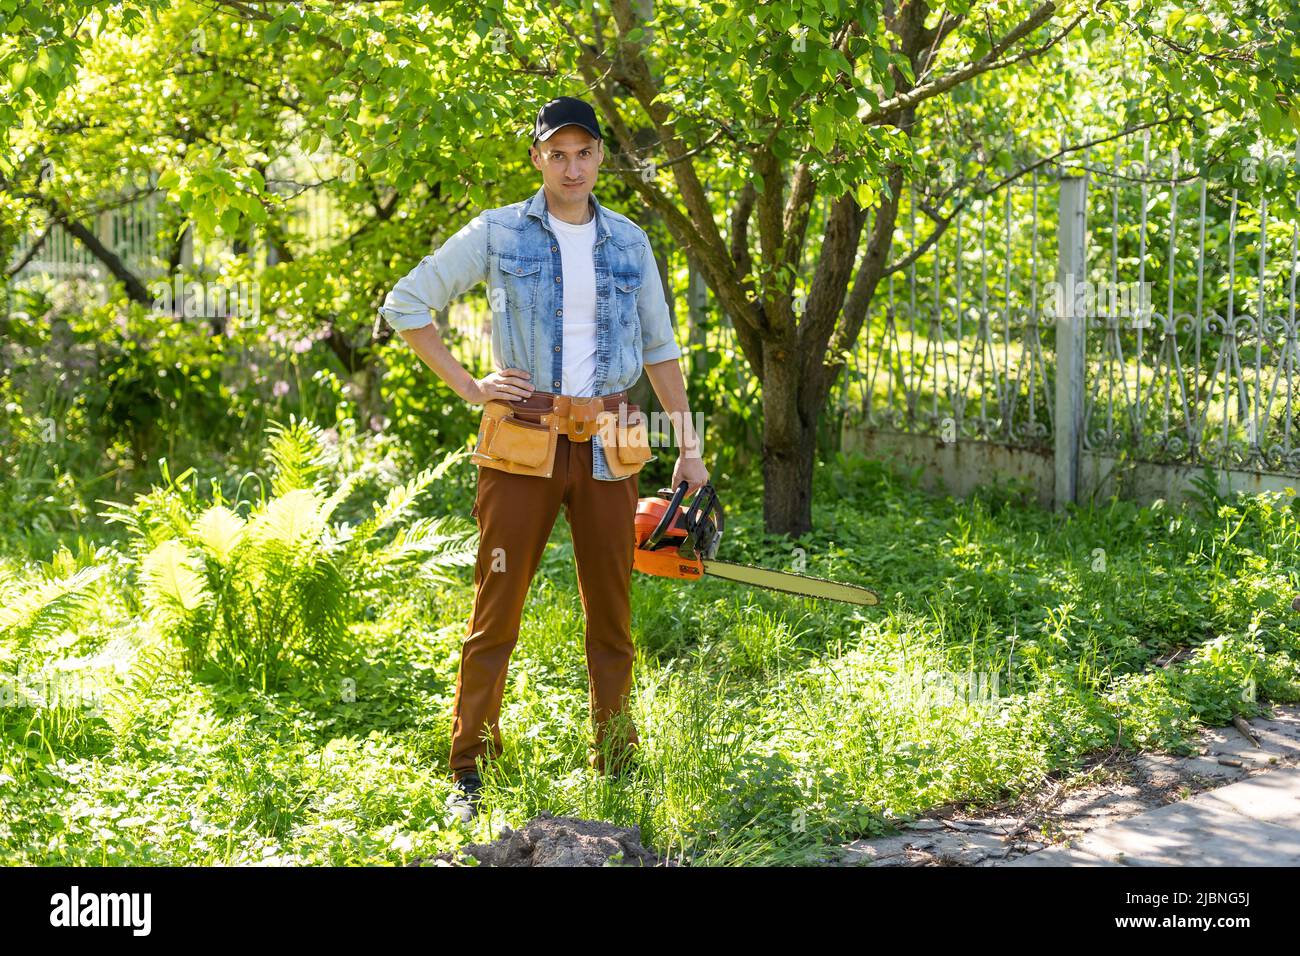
column 128, row 228
column 1120, row 306
column 1126, row 306
column 1207, row 376
column 132, row 229
column 955, row 343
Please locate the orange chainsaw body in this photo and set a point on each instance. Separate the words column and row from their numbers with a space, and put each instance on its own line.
column 665, row 560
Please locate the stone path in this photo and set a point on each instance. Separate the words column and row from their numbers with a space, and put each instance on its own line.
column 1252, row 823
column 1233, row 803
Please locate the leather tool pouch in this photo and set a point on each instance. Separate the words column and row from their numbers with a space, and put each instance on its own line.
column 512, row 443
column 627, row 447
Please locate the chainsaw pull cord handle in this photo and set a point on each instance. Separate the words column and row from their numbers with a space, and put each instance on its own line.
column 666, row 521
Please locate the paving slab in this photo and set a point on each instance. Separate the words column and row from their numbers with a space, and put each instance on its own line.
column 1279, row 739
column 1269, row 798
column 1121, row 801
column 1281, row 735
column 968, row 848
column 1060, row 856
column 1251, row 817
column 1203, row 835
column 1158, row 771
column 1252, row 823
column 1211, row 768
column 875, row 849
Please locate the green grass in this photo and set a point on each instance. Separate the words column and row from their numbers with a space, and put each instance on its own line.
column 772, row 727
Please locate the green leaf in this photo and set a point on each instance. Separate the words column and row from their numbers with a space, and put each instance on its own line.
column 203, row 218
column 230, row 221
column 837, row 60
column 823, row 122
column 804, row 75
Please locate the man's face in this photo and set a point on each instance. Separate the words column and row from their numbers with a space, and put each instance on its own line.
column 569, row 161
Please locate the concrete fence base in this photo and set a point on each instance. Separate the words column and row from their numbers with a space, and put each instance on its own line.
column 959, row 467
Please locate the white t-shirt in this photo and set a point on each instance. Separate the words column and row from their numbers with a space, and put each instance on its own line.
column 576, row 243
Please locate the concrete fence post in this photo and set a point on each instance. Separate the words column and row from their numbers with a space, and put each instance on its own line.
column 1071, row 316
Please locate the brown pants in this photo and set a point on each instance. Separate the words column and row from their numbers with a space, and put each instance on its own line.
column 515, row 516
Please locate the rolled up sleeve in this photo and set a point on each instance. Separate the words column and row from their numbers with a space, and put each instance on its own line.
column 458, row 265
column 658, row 341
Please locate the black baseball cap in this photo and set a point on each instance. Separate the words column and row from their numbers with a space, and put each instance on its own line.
column 565, row 111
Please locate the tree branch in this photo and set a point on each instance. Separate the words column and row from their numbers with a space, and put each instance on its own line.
column 990, row 61
column 30, row 255
column 943, row 222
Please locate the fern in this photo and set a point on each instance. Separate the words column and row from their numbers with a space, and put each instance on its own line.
column 170, row 580
column 298, row 455
column 340, row 495
column 123, row 672
column 291, row 520
column 35, row 705
column 121, row 706
column 402, row 499
column 397, row 504
column 434, row 543
column 175, row 590
column 219, row 531
column 164, row 512
column 36, row 611
column 271, row 592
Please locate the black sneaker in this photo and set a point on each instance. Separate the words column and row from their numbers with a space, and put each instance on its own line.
column 464, row 799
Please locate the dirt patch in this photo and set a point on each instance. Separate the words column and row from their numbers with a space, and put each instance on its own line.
column 548, row 840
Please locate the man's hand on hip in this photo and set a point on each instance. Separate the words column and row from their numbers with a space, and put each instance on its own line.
column 503, row 386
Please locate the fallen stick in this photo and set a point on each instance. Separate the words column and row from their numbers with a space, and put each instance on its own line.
column 1244, row 727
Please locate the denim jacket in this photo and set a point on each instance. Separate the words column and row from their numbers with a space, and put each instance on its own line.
column 514, row 249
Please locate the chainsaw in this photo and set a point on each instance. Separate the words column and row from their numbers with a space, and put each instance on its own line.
column 676, row 543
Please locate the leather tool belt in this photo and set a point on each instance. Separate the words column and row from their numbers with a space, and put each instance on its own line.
column 520, row 436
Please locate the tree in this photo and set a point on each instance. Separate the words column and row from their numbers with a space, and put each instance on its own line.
column 799, row 125
column 831, row 106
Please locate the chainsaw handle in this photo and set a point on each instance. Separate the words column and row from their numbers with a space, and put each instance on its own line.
column 705, row 540
column 666, row 521
column 705, row 494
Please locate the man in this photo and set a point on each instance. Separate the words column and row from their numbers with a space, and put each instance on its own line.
column 578, row 312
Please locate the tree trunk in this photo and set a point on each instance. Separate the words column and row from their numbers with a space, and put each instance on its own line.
column 789, row 446
column 697, row 300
